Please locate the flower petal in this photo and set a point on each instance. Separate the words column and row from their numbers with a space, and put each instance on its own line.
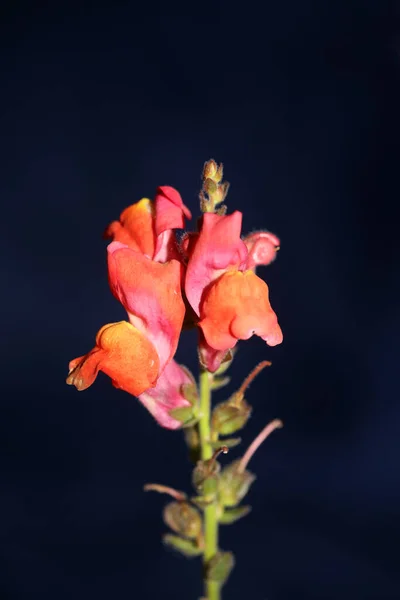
column 170, row 210
column 167, row 395
column 235, row 307
column 135, row 227
column 217, row 249
column 169, row 215
column 121, row 352
column 151, row 294
column 262, row 247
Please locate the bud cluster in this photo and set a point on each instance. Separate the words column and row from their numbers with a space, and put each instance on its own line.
column 214, row 190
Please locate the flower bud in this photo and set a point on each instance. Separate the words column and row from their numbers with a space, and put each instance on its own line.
column 220, row 566
column 205, row 476
column 183, row 518
column 228, row 417
column 233, row 484
column 210, row 169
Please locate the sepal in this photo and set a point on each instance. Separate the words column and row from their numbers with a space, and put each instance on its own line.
column 234, row 514
column 186, row 547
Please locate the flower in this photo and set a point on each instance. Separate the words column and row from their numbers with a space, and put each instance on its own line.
column 145, row 275
column 231, row 301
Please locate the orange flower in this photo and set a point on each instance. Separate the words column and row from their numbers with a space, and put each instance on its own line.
column 145, row 275
column 231, row 301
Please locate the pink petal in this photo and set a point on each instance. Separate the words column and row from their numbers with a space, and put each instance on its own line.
column 170, row 214
column 262, row 247
column 167, row 395
column 218, row 248
column 151, row 294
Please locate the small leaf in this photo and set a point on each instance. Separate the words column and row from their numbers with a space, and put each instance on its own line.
column 185, row 547
column 219, row 382
column 230, row 443
column 203, row 501
column 234, row 514
column 220, row 567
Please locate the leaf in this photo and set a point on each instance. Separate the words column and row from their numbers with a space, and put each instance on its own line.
column 234, row 514
column 186, row 547
column 230, row 443
column 219, row 382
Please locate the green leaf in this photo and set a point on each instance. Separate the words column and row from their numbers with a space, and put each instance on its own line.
column 186, row 547
column 203, row 501
column 219, row 382
column 220, row 567
column 234, row 514
column 230, row 443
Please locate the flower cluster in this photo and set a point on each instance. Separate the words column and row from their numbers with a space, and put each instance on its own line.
column 205, row 279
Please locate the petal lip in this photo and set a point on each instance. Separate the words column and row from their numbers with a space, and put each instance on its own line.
column 236, row 306
column 121, row 352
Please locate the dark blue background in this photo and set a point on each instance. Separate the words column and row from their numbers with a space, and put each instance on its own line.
column 300, row 100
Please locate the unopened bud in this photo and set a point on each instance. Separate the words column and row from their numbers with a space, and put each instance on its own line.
column 227, row 418
column 205, row 475
column 183, row 518
column 234, row 484
column 210, row 169
column 220, row 566
column 210, row 187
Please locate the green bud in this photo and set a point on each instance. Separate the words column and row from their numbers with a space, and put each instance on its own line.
column 234, row 514
column 230, row 416
column 220, row 566
column 210, row 187
column 234, row 484
column 183, row 518
column 205, row 477
column 186, row 547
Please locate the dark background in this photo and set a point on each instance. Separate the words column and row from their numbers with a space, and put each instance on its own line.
column 99, row 105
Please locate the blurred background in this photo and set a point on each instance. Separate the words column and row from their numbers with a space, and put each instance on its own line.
column 99, row 106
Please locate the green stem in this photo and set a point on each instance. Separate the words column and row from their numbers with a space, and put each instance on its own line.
column 212, row 588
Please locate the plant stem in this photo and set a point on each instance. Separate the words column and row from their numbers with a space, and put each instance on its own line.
column 212, row 588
